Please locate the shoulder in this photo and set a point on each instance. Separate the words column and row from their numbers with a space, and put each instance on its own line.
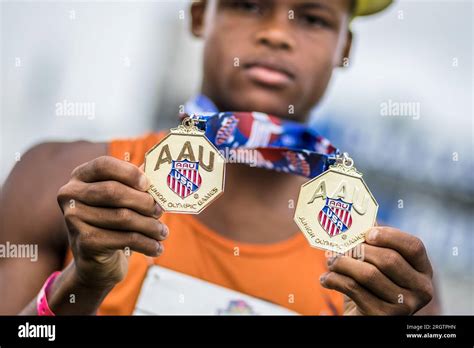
column 29, row 207
column 53, row 161
column 64, row 151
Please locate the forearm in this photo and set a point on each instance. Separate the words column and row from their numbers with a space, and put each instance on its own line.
column 69, row 296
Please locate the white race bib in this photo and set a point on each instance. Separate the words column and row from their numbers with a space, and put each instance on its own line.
column 169, row 292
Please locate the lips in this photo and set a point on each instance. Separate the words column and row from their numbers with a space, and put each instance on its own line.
column 269, row 72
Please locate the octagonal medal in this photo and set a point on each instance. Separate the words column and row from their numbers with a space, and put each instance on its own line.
column 336, row 208
column 185, row 169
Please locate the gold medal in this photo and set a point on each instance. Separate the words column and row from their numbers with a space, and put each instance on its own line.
column 185, row 169
column 336, row 208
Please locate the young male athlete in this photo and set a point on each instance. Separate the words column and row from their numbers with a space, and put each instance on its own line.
column 246, row 242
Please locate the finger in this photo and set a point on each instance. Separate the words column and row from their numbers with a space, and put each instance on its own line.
column 97, row 240
column 110, row 168
column 366, row 301
column 116, row 195
column 410, row 247
column 366, row 275
column 394, row 266
column 122, row 219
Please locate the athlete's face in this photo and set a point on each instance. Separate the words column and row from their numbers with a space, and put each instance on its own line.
column 271, row 56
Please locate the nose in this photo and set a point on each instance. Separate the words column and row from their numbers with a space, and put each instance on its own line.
column 275, row 33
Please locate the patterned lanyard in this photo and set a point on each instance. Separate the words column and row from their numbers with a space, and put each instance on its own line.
column 262, row 140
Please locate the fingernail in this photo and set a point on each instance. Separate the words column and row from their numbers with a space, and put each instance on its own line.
column 323, row 277
column 143, row 182
column 160, row 248
column 331, row 260
column 158, row 210
column 165, row 231
column 373, row 234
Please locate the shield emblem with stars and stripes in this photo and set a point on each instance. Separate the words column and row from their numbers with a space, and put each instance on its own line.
column 335, row 216
column 184, row 178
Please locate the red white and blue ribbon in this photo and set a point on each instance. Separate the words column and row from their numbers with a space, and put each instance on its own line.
column 277, row 144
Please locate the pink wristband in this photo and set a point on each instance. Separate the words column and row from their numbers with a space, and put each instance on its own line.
column 42, row 306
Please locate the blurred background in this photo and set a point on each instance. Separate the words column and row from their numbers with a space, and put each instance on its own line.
column 403, row 108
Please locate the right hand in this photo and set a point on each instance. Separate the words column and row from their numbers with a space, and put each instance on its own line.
column 108, row 212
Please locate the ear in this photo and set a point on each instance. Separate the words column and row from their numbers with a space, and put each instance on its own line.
column 347, row 49
column 198, row 9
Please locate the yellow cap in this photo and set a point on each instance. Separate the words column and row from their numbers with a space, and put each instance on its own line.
column 368, row 7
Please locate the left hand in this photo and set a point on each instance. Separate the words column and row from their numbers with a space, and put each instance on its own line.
column 393, row 278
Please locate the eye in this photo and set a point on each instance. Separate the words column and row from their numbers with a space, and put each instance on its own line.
column 315, row 21
column 246, row 6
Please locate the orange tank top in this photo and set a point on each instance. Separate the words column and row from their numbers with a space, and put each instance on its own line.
column 284, row 273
